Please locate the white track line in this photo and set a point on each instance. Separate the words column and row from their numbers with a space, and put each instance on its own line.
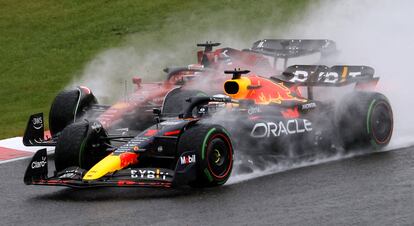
column 17, row 144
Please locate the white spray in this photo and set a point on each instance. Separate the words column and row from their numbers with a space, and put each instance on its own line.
column 377, row 33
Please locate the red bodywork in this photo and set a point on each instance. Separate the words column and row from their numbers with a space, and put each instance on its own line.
column 228, row 59
column 207, row 76
column 145, row 97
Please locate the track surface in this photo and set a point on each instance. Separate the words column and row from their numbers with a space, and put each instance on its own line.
column 375, row 189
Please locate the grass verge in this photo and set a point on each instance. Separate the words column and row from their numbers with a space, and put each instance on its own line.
column 44, row 44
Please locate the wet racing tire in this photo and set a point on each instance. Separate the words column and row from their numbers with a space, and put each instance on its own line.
column 67, row 107
column 214, row 153
column 365, row 120
column 80, row 145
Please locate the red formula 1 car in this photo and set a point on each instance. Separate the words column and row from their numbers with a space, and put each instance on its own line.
column 135, row 113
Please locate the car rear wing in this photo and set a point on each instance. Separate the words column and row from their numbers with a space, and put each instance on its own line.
column 290, row 48
column 323, row 76
column 293, row 47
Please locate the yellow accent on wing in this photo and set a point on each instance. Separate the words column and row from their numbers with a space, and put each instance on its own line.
column 109, row 164
column 344, row 73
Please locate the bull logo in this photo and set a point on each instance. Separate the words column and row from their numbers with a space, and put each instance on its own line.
column 270, row 92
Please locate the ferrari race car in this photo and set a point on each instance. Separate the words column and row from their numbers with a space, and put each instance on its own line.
column 259, row 116
column 134, row 113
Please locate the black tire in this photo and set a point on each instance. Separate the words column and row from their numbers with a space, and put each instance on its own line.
column 214, row 153
column 78, row 146
column 175, row 101
column 365, row 120
column 65, row 109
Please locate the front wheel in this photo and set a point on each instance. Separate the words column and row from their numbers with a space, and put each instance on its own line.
column 214, row 153
column 68, row 106
column 80, row 144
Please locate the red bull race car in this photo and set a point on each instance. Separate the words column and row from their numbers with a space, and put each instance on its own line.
column 131, row 115
column 259, row 116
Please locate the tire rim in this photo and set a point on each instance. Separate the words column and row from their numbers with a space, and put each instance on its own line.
column 219, row 156
column 381, row 123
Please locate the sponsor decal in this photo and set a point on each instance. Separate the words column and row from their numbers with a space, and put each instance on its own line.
column 253, row 110
column 36, row 164
column 282, row 128
column 133, row 145
column 220, row 99
column 149, row 174
column 325, row 77
column 187, row 159
column 308, row 106
column 37, row 122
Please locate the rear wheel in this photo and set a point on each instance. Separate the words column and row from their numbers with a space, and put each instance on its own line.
column 214, row 153
column 365, row 120
column 80, row 145
column 68, row 106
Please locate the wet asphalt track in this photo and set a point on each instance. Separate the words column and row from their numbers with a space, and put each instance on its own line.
column 375, row 189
